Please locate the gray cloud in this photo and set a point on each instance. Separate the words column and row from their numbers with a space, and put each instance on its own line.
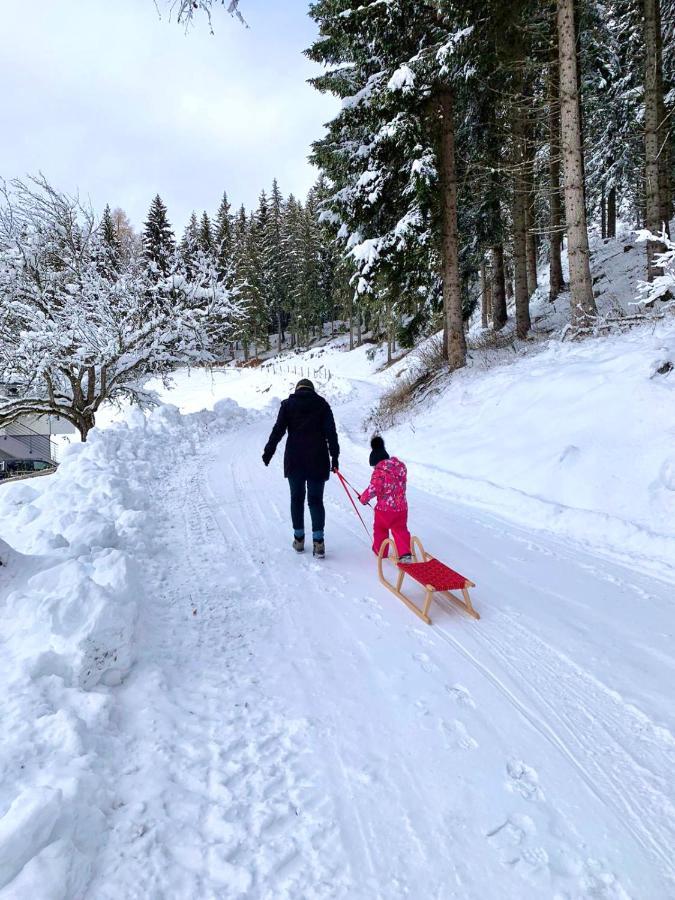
column 106, row 98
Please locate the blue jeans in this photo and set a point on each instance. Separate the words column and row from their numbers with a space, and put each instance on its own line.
column 314, row 490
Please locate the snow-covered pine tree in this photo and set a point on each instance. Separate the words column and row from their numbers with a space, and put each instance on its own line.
column 205, row 234
column 159, row 244
column 107, row 229
column 390, row 152
column 189, row 245
column 328, row 254
column 223, row 241
column 246, row 284
column 110, row 245
column 611, row 60
column 275, row 264
column 262, row 249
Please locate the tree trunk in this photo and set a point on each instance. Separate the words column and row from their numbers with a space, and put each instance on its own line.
column 603, row 214
column 556, row 280
column 520, row 266
column 484, row 302
column 85, row 422
column 508, row 282
column 665, row 134
column 530, row 204
column 582, row 302
column 452, row 294
column 531, row 248
column 611, row 213
column 519, row 218
column 488, row 293
column 653, row 105
column 499, row 314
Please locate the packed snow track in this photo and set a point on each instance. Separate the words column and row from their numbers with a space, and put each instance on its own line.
column 290, row 730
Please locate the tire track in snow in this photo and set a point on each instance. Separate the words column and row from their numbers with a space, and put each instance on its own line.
column 320, row 580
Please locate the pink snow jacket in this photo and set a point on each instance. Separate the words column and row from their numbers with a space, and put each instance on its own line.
column 388, row 485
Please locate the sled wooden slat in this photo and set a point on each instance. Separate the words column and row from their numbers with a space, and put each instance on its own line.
column 434, row 576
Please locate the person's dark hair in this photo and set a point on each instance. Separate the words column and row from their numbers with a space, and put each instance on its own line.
column 378, row 451
column 304, row 385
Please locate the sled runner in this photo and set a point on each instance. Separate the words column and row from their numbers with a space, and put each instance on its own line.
column 434, row 576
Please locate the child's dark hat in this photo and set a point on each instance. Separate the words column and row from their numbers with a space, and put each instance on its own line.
column 378, row 451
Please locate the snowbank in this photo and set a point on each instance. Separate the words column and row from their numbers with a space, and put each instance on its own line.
column 576, row 439
column 70, row 585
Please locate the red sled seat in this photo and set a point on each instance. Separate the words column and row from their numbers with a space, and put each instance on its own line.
column 434, row 576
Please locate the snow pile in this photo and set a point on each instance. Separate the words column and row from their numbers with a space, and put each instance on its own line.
column 69, row 595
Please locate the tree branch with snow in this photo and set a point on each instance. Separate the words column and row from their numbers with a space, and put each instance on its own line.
column 662, row 286
column 79, row 329
column 186, row 10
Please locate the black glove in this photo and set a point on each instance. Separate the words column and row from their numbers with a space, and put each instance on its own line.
column 266, row 458
column 334, row 467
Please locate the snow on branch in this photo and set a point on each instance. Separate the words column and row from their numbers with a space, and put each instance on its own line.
column 662, row 287
column 80, row 324
column 186, row 10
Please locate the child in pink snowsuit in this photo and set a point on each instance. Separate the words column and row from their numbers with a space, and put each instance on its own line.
column 388, row 484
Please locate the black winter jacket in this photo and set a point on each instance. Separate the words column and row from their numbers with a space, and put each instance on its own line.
column 312, row 447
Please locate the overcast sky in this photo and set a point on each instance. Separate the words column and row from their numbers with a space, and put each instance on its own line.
column 105, row 97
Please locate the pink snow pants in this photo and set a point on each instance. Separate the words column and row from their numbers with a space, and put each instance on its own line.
column 396, row 521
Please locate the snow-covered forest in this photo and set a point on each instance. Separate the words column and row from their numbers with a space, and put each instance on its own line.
column 473, row 258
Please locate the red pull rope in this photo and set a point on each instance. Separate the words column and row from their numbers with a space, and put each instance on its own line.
column 344, row 483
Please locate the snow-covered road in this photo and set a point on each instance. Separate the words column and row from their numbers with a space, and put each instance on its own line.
column 290, row 730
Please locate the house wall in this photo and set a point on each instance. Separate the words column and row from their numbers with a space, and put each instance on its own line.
column 17, row 446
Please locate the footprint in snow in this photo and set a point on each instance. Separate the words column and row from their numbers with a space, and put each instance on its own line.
column 513, row 842
column 425, row 662
column 460, row 695
column 457, row 737
column 523, row 780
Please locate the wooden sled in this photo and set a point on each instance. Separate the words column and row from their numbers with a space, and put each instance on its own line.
column 434, row 576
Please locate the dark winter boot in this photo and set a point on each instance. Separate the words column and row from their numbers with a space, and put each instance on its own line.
column 319, row 549
column 299, row 544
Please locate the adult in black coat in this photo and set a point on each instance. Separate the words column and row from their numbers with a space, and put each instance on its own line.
column 312, row 451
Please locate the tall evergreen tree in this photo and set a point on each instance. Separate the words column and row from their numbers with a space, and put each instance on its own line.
column 205, row 234
column 391, row 151
column 223, row 241
column 189, row 245
column 107, row 229
column 109, row 245
column 274, row 259
column 159, row 243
